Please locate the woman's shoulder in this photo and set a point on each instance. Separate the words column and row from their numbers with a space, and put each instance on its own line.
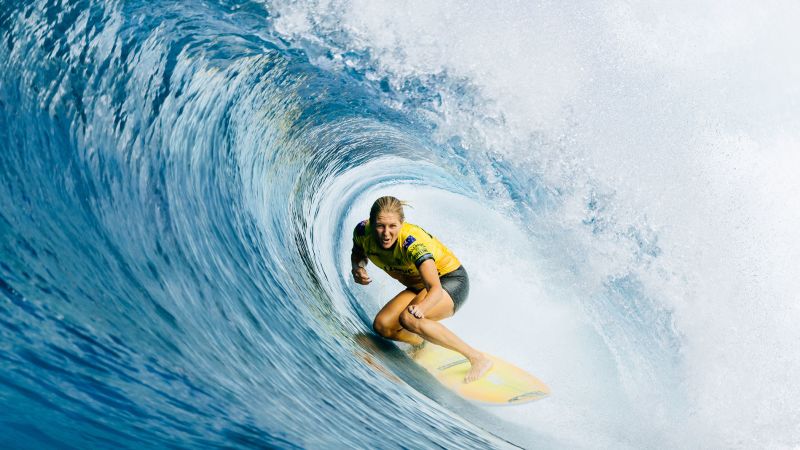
column 361, row 234
column 361, row 228
column 410, row 229
column 407, row 229
column 409, row 234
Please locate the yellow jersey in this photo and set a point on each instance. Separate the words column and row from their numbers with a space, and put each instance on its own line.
column 413, row 246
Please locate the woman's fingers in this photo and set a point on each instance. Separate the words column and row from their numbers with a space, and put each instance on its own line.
column 416, row 312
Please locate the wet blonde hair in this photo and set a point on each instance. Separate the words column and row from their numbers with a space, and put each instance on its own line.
column 387, row 204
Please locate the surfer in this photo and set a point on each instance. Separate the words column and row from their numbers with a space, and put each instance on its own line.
column 436, row 284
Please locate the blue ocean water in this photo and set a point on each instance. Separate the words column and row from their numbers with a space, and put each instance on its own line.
column 179, row 181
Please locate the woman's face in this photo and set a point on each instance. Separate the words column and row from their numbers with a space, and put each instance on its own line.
column 387, row 225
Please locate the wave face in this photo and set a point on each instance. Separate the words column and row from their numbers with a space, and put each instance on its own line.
column 180, row 181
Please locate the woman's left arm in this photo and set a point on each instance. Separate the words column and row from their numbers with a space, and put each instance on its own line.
column 430, row 277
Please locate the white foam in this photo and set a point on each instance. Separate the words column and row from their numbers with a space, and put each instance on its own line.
column 685, row 118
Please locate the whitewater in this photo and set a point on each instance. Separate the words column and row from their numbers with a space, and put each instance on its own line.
column 180, row 181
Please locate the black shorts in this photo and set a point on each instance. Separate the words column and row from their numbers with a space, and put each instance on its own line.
column 456, row 283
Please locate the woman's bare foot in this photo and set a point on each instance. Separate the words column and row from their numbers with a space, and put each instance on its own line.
column 480, row 367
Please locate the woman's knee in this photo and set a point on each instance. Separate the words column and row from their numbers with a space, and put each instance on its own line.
column 385, row 326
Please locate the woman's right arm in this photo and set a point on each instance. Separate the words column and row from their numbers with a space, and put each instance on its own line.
column 358, row 261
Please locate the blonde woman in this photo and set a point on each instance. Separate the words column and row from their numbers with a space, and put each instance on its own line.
column 436, row 285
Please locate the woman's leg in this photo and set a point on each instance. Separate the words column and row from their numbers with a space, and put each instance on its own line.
column 431, row 330
column 387, row 321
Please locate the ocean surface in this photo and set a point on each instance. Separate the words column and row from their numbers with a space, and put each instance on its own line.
column 179, row 181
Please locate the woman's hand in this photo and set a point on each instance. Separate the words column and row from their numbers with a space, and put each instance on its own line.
column 360, row 276
column 430, row 277
column 416, row 311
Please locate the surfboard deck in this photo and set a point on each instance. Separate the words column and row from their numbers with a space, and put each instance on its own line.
column 505, row 384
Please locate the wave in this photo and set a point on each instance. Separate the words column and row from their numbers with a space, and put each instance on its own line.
column 180, row 182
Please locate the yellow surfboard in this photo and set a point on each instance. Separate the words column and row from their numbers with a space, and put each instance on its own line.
column 505, row 384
